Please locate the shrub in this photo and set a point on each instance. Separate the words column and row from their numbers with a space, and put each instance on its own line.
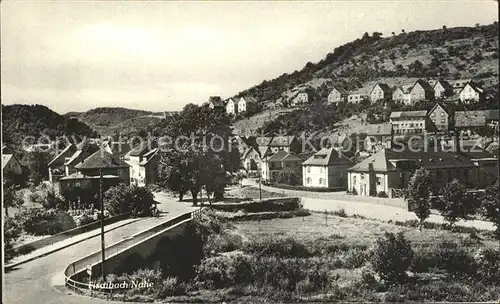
column 83, row 220
column 217, row 243
column 447, row 256
column 171, row 286
column 279, row 247
column 354, row 258
column 121, row 199
column 488, row 264
column 382, row 194
column 43, row 222
column 12, row 231
column 340, row 213
column 392, row 256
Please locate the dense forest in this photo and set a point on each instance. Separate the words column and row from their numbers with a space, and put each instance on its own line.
column 19, row 121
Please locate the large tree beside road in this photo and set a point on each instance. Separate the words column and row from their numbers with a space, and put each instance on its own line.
column 196, row 152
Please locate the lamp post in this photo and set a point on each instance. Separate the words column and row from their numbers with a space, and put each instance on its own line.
column 102, row 225
column 260, row 188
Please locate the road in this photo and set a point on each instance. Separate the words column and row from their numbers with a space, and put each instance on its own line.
column 42, row 280
column 368, row 210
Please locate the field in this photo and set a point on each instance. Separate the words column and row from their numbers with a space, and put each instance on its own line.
column 248, row 193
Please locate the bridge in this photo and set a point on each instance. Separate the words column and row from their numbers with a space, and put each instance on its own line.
column 49, row 279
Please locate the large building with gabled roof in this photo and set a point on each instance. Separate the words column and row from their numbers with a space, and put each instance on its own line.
column 326, row 169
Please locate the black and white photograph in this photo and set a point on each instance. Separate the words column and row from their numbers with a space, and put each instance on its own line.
column 250, row 151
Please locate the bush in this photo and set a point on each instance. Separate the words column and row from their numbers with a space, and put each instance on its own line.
column 391, row 257
column 488, row 265
column 279, row 247
column 170, row 287
column 447, row 256
column 134, row 199
column 340, row 213
column 382, row 194
column 83, row 220
column 12, row 231
column 43, row 222
column 217, row 243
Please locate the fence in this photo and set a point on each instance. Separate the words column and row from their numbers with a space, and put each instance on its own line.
column 65, row 234
column 80, row 265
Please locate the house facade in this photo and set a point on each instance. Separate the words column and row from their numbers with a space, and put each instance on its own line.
column 215, row 102
column 300, row 99
column 337, row 95
column 358, row 97
column 11, row 165
column 470, row 122
column 408, row 122
column 251, row 159
column 402, row 95
column 143, row 163
column 327, row 168
column 440, row 117
column 273, row 165
column 246, row 104
column 231, row 107
column 380, row 91
column 389, row 171
column 459, row 84
column 442, row 89
column 421, row 90
column 56, row 165
column 471, row 93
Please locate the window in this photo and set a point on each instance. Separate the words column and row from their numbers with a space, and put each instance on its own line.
column 321, row 181
column 308, row 169
column 379, row 181
column 321, row 170
column 354, row 180
column 308, row 180
column 362, row 176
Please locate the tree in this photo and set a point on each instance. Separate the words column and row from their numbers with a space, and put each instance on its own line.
column 456, row 203
column 117, row 199
column 490, row 207
column 392, row 257
column 417, row 194
column 37, row 166
column 288, row 177
column 393, row 34
column 376, row 35
column 403, row 31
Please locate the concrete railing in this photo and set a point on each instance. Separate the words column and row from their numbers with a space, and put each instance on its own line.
column 25, row 248
column 117, row 248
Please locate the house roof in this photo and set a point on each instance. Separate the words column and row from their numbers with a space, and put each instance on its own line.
column 249, row 99
column 283, row 156
column 422, row 113
column 360, row 91
column 139, row 150
column 326, row 157
column 149, row 156
column 459, row 83
column 473, row 86
column 445, row 84
column 101, row 159
column 340, row 89
column 216, row 101
column 263, row 151
column 476, row 118
column 439, row 105
column 58, row 156
column 380, row 129
column 74, row 158
column 384, row 87
column 493, row 115
column 282, row 141
column 384, row 160
column 424, row 84
column 6, row 158
column 79, row 175
column 263, row 141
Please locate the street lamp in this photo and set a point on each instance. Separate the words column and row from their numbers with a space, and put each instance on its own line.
column 103, row 248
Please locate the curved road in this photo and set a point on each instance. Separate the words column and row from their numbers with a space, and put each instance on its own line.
column 42, row 280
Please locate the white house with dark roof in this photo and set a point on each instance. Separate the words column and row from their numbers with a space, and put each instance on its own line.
column 440, row 116
column 471, row 93
column 442, row 89
column 56, row 165
column 271, row 166
column 246, row 103
column 358, row 96
column 231, row 106
column 380, row 91
column 143, row 161
column 338, row 94
column 326, row 169
column 215, row 102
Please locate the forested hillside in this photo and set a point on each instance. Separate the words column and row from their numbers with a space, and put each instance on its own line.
column 19, row 121
column 452, row 53
column 110, row 121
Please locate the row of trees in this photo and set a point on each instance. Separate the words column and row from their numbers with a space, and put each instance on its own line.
column 200, row 154
column 455, row 203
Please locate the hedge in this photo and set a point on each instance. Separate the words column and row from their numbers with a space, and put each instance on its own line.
column 311, row 189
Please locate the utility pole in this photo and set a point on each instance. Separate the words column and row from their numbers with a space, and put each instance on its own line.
column 260, row 187
column 102, row 225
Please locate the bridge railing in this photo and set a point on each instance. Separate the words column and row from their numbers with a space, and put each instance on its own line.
column 81, row 264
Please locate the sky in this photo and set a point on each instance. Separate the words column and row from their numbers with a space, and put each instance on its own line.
column 159, row 56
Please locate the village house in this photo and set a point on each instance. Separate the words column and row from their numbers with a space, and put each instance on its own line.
column 215, row 102
column 300, row 98
column 338, row 94
column 57, row 164
column 471, row 93
column 442, row 89
column 380, row 91
column 358, row 96
column 231, row 107
column 252, row 157
column 408, row 122
column 459, row 84
column 271, row 166
column 440, row 116
column 470, row 122
column 402, row 95
column 378, row 137
column 143, row 162
column 246, row 104
column 87, row 176
column 326, row 169
column 83, row 150
column 421, row 90
column 11, row 165
column 287, row 143
column 388, row 171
